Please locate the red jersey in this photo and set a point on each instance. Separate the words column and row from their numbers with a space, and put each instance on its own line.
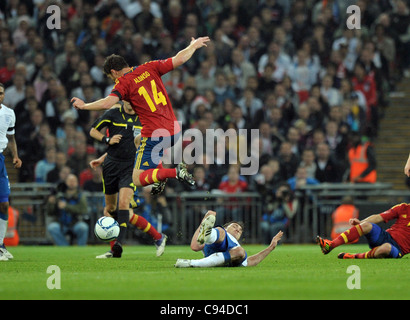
column 143, row 88
column 400, row 230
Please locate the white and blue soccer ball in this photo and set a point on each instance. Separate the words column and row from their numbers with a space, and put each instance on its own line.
column 106, row 229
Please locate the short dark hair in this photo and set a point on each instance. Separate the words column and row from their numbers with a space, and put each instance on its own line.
column 240, row 223
column 115, row 62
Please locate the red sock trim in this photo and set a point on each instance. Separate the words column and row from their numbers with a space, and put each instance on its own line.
column 142, row 224
column 151, row 176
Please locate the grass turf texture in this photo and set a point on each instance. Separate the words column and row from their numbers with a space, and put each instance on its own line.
column 289, row 272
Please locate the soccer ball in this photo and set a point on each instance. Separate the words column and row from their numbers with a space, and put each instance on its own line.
column 106, row 229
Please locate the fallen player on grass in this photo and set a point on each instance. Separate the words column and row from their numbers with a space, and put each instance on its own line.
column 220, row 246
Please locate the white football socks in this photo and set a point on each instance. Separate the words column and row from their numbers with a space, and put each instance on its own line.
column 3, row 229
column 214, row 260
column 212, row 237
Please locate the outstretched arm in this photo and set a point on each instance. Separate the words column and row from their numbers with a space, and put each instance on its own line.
column 257, row 258
column 186, row 54
column 102, row 104
column 374, row 218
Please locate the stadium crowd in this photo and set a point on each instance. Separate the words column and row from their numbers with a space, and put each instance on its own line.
column 290, row 68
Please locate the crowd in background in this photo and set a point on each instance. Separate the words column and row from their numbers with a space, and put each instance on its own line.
column 290, row 68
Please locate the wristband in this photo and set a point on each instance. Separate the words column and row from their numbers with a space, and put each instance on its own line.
column 106, row 140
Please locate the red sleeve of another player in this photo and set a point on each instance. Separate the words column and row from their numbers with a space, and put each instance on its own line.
column 392, row 213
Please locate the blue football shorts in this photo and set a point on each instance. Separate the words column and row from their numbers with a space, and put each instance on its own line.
column 151, row 150
column 378, row 236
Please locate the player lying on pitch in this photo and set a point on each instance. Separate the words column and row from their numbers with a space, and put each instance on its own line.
column 220, row 246
column 391, row 243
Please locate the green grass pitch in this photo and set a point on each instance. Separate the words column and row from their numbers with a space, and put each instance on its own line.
column 289, row 272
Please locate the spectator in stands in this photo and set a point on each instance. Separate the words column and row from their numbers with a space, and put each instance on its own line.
column 267, row 180
column 53, row 176
column 233, row 184
column 329, row 93
column 8, row 70
column 44, row 166
column 400, row 28
column 277, row 214
column 240, row 69
column 201, row 183
column 68, row 210
column 15, row 92
column 222, row 89
column 288, row 161
column 249, row 104
column 95, row 183
column 204, row 79
column 78, row 160
column 308, row 161
column 336, row 141
column 328, row 168
column 301, row 179
column 366, row 84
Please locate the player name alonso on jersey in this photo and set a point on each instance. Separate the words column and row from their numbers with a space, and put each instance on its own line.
column 143, row 88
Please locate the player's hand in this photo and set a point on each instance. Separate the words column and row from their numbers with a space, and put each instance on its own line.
column 78, row 103
column 199, row 42
column 276, row 239
column 354, row 222
column 17, row 163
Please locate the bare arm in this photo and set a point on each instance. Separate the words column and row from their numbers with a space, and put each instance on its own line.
column 97, row 135
column 12, row 145
column 186, row 54
column 102, row 104
column 375, row 218
column 257, row 258
column 407, row 167
column 97, row 162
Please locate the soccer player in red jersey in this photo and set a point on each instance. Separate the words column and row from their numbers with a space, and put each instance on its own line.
column 391, row 243
column 143, row 88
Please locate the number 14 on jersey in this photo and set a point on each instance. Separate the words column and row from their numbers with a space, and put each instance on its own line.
column 159, row 97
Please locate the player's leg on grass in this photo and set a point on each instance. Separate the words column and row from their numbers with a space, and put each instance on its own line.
column 4, row 207
column 386, row 250
column 216, row 239
column 381, row 243
column 142, row 224
column 345, row 237
column 125, row 196
column 219, row 259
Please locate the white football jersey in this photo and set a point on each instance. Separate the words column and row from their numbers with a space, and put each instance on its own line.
column 7, row 123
